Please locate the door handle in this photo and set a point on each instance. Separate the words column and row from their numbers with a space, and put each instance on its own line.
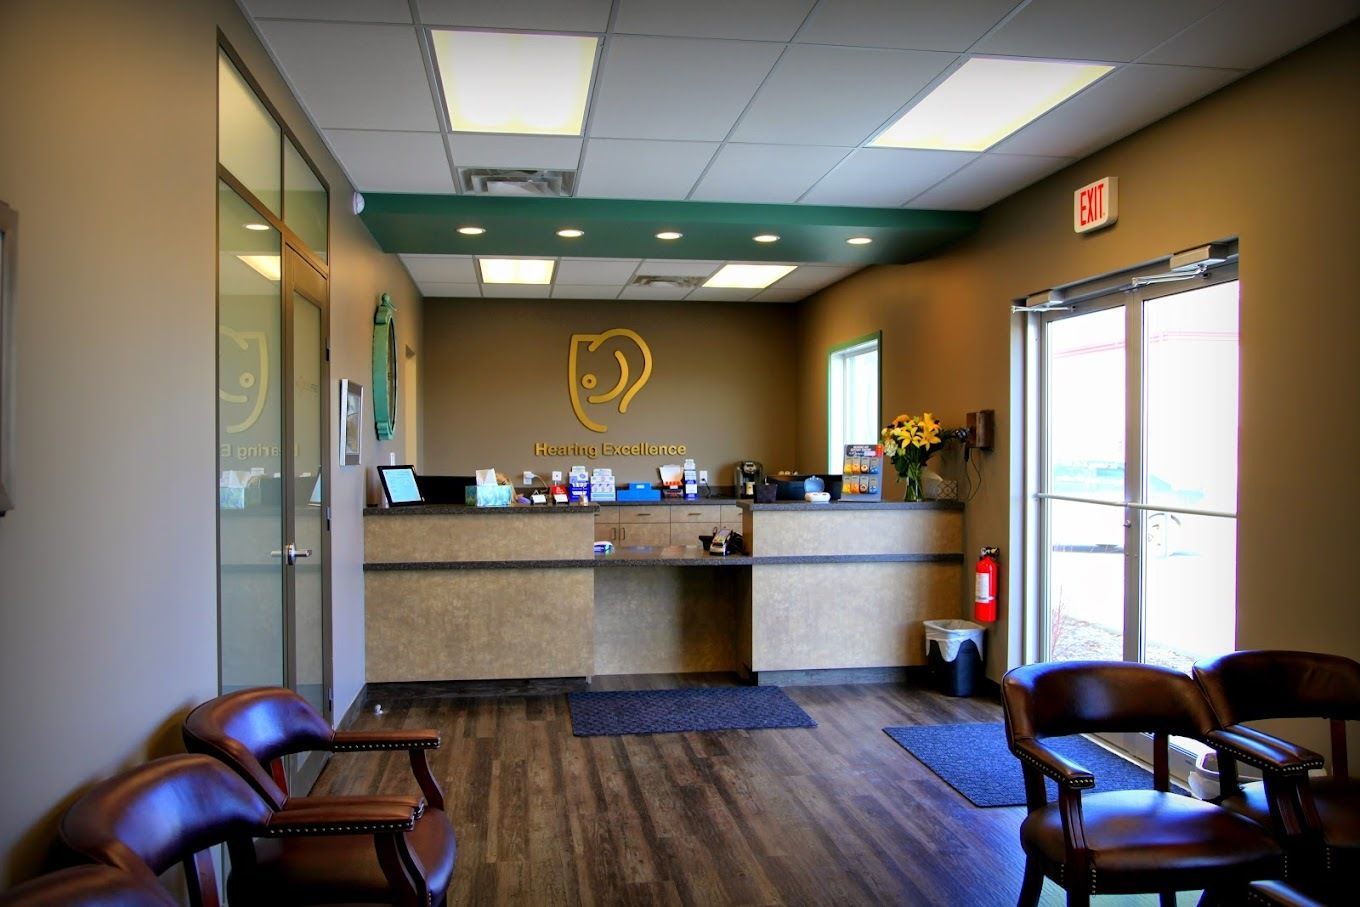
column 292, row 553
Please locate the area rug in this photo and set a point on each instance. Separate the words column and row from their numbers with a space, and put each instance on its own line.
column 975, row 761
column 612, row 713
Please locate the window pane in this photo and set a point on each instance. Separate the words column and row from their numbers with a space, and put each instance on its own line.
column 862, row 406
column 1190, row 582
column 1085, row 581
column 247, row 136
column 1086, row 405
column 304, row 201
column 250, row 455
column 1191, row 343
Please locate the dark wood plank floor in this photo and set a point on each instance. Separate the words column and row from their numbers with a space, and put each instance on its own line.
column 837, row 814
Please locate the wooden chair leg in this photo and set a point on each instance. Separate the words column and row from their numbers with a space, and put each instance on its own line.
column 1081, row 898
column 1166, row 898
column 1033, row 884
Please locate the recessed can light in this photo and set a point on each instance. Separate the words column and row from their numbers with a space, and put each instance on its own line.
column 256, row 226
column 570, row 233
column 766, row 237
column 859, row 240
column 669, row 234
column 472, row 231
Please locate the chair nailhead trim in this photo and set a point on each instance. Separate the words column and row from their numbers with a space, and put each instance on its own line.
column 359, row 747
column 338, row 829
column 1301, row 768
column 1079, row 783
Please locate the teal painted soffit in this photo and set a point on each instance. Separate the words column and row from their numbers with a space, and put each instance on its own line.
column 619, row 228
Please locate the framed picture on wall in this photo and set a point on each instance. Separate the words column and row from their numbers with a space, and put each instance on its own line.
column 9, row 253
column 351, row 417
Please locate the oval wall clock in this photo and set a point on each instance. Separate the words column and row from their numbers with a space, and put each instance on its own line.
column 385, row 368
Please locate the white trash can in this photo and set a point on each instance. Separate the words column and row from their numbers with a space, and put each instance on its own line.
column 954, row 655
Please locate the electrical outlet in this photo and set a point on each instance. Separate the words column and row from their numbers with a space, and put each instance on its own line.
column 703, row 477
column 557, row 477
column 528, row 477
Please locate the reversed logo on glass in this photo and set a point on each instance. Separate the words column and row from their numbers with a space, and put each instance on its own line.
column 618, row 360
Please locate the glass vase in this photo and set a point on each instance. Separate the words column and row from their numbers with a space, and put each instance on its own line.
column 912, row 477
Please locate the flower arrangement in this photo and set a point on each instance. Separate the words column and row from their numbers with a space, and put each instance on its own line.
column 908, row 441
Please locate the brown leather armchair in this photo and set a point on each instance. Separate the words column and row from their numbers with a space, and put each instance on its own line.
column 87, row 886
column 173, row 810
column 1318, row 818
column 1122, row 842
column 252, row 730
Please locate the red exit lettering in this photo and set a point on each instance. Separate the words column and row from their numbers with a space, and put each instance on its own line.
column 1095, row 205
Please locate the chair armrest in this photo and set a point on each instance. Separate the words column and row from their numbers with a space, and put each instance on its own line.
column 358, row 741
column 1262, row 751
column 417, row 804
column 362, row 817
column 1062, row 770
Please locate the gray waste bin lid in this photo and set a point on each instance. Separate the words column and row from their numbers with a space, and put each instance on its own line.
column 950, row 634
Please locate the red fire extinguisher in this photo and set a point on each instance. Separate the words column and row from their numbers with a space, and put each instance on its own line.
column 984, row 595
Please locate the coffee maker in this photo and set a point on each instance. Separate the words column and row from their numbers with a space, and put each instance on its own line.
column 749, row 474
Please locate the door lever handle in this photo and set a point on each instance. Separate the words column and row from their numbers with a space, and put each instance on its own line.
column 292, row 553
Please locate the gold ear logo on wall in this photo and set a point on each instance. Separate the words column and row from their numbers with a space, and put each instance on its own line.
column 249, row 360
column 637, row 360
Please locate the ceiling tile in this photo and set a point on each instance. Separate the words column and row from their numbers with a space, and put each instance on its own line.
column 987, row 180
column 516, row 291
column 534, row 15
column 676, row 88
column 836, row 95
column 677, row 267
column 1115, row 30
column 655, row 292
column 1124, row 101
column 624, row 168
column 440, row 268
column 392, row 161
column 720, row 294
column 879, row 177
column 754, row 20
column 604, row 272
column 354, row 76
column 1246, row 34
column 573, row 291
column 450, row 290
column 528, row 151
column 765, row 173
column 917, row 24
column 813, row 277
column 332, row 10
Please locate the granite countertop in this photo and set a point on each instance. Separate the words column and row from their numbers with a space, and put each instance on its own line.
column 464, row 510
column 673, row 502
column 668, row 556
column 854, row 505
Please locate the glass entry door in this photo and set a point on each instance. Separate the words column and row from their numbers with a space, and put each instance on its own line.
column 1138, row 494
column 273, row 498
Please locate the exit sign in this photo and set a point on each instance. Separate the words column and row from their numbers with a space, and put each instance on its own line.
column 1096, row 205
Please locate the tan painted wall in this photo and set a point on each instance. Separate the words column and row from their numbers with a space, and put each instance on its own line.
column 495, row 382
column 1270, row 159
column 107, row 567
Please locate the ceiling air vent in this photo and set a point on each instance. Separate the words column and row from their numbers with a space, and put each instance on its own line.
column 658, row 280
column 533, row 183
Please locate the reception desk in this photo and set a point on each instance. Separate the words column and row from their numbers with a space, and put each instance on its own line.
column 840, row 589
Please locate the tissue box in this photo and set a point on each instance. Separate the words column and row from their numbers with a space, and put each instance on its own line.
column 489, row 495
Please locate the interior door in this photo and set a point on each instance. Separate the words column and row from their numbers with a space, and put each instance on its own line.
column 273, row 498
column 305, row 525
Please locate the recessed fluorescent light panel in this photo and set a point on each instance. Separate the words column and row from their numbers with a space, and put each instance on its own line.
column 986, row 100
column 748, row 277
column 472, row 231
column 517, row 270
column 270, row 267
column 515, row 83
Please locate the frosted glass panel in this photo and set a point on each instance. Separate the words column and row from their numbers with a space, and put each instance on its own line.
column 304, row 200
column 248, row 139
